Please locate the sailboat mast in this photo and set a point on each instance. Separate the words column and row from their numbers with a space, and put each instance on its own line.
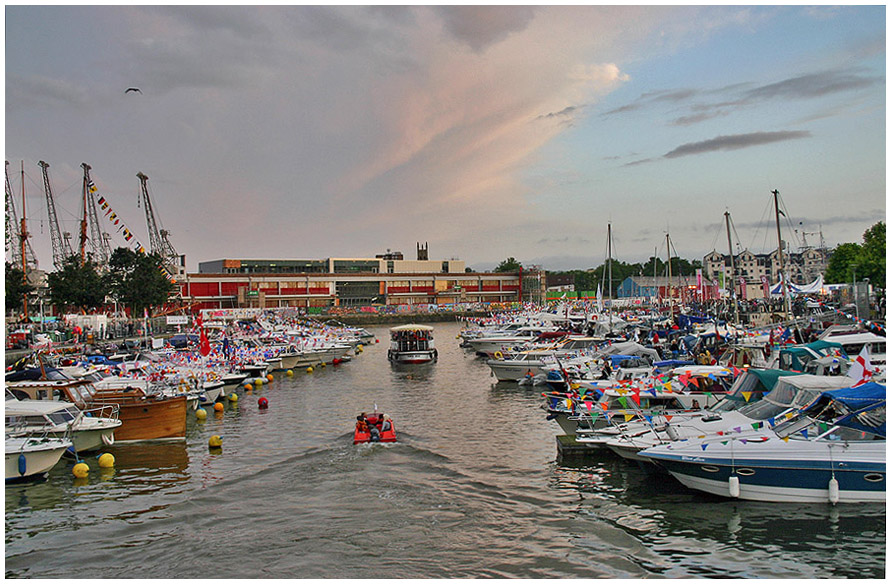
column 732, row 270
column 776, row 207
column 668, row 253
column 609, row 248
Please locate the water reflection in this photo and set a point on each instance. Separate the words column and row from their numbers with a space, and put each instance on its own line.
column 661, row 513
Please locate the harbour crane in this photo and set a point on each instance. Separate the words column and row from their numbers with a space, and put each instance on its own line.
column 159, row 241
column 16, row 233
column 60, row 239
column 101, row 251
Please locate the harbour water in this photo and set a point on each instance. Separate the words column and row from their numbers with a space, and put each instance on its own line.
column 472, row 489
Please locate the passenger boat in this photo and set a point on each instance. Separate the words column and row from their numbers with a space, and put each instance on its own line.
column 412, row 344
column 833, row 451
column 88, row 430
column 142, row 416
column 31, row 457
column 363, row 433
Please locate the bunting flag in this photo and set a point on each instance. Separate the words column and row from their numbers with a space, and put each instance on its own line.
column 704, row 446
column 757, row 425
column 629, row 417
column 623, row 401
column 804, row 432
column 92, row 187
column 785, row 438
column 747, row 395
column 604, row 406
column 588, row 405
column 635, row 396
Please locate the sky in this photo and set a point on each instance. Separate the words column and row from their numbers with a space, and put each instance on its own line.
column 486, row 132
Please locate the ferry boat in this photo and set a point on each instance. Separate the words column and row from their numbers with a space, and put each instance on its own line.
column 411, row 344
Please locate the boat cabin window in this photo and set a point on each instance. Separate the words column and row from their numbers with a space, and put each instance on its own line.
column 61, row 417
column 19, row 394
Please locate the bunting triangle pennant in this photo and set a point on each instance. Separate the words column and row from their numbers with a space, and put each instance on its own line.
column 785, row 438
column 588, row 405
column 804, row 432
column 747, row 395
column 635, row 396
column 704, row 446
column 629, row 417
column 623, row 401
column 757, row 425
column 738, row 430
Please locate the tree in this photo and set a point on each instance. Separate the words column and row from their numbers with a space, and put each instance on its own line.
column 872, row 255
column 136, row 280
column 509, row 265
column 16, row 288
column 851, row 261
column 78, row 286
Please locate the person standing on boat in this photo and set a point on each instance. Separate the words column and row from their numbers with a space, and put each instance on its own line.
column 606, row 370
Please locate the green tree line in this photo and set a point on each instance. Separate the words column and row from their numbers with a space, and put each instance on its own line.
column 134, row 280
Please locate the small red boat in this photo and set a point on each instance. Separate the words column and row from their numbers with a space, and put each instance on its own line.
column 378, row 421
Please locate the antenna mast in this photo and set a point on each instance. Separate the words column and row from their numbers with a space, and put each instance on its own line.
column 61, row 245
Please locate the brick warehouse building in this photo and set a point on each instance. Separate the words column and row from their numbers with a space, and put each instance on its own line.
column 309, row 284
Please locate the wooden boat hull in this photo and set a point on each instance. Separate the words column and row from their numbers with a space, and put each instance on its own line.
column 163, row 419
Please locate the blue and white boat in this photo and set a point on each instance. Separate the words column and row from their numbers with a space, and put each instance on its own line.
column 833, row 451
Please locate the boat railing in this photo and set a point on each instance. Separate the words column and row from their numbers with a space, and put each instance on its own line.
column 111, row 411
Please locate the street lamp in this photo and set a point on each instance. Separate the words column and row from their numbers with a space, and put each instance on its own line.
column 854, row 286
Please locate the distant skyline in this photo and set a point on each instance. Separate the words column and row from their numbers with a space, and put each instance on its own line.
column 488, row 132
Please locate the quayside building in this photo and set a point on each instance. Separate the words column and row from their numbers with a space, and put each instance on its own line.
column 387, row 279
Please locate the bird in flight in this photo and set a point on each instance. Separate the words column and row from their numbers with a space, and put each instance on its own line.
column 136, row 89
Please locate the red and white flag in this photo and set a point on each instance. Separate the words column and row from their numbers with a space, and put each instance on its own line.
column 861, row 370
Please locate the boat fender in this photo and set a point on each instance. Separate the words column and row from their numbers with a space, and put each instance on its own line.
column 672, row 433
column 833, row 491
column 23, row 464
column 499, row 355
column 733, row 483
column 108, row 439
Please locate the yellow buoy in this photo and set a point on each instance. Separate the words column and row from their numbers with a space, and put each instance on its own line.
column 81, row 470
column 215, row 441
column 218, row 407
column 359, row 349
column 309, row 369
column 290, row 373
column 201, row 414
column 106, row 460
column 248, row 387
column 322, row 363
column 259, row 381
column 233, row 397
column 269, row 377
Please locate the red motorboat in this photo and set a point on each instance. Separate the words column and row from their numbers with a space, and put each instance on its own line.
column 374, row 427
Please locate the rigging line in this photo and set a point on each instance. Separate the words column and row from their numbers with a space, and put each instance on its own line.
column 764, row 223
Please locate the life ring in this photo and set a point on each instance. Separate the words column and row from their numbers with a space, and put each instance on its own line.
column 499, row 355
column 108, row 439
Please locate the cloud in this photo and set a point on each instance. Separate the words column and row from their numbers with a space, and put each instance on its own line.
column 812, row 85
column 735, row 142
column 482, row 26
